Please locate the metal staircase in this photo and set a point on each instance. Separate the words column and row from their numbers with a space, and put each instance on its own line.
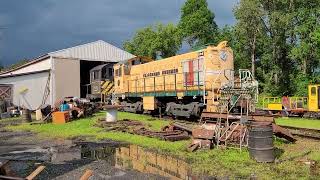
column 245, row 90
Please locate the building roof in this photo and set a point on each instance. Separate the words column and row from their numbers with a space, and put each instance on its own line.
column 33, row 61
column 94, row 51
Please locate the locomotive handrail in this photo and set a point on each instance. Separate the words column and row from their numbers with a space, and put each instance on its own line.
column 179, row 85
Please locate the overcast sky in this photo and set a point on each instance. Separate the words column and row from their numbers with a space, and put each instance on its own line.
column 30, row 28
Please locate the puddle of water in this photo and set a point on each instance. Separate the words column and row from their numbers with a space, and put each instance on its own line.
column 63, row 155
column 139, row 159
column 32, row 154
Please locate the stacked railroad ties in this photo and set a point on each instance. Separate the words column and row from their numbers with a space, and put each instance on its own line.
column 199, row 84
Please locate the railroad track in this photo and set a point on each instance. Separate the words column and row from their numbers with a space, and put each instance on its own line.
column 296, row 131
column 304, row 132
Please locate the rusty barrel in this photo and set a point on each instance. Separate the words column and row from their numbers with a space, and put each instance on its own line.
column 261, row 142
column 26, row 115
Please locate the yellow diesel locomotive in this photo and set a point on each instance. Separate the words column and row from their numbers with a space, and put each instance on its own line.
column 176, row 84
column 180, row 86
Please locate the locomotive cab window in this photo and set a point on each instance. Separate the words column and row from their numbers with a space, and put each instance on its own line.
column 118, row 72
column 126, row 69
column 313, row 91
column 103, row 73
column 95, row 75
column 110, row 71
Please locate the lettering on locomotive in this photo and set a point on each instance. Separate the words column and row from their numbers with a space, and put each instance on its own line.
column 164, row 72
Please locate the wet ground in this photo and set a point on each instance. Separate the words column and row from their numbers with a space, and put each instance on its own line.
column 64, row 159
column 69, row 159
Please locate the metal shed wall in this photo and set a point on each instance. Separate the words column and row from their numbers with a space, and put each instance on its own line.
column 66, row 78
column 35, row 86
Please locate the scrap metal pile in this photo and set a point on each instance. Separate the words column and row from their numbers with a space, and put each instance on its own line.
column 139, row 128
column 204, row 136
column 209, row 135
column 83, row 106
column 78, row 108
column 7, row 109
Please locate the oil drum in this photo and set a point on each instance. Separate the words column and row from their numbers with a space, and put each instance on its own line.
column 261, row 142
column 26, row 115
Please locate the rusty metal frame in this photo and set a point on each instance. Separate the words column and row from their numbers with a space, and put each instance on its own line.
column 225, row 116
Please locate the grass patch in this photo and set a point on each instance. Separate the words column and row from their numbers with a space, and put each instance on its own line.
column 216, row 162
column 154, row 123
column 85, row 127
column 299, row 122
column 10, row 119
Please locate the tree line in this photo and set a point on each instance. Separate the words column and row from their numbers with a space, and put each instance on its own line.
column 279, row 40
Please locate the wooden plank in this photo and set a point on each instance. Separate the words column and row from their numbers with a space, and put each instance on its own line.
column 263, row 118
column 35, row 173
column 87, row 175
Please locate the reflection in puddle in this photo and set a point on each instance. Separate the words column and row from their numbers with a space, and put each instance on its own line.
column 125, row 158
column 144, row 161
column 137, row 158
column 64, row 155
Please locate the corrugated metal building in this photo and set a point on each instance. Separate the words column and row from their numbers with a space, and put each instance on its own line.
column 59, row 74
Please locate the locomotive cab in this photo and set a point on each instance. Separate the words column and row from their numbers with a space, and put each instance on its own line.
column 314, row 98
column 98, row 76
column 122, row 72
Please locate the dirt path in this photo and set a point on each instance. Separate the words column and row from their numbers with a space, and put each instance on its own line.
column 63, row 158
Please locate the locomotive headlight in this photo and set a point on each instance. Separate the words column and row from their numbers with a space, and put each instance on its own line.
column 223, row 55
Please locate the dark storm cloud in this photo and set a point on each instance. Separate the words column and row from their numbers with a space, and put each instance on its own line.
column 34, row 27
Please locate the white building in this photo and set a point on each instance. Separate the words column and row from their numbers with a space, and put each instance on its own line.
column 59, row 74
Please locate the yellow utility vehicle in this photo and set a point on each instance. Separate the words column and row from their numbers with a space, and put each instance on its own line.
column 296, row 106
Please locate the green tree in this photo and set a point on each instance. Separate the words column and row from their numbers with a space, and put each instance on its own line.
column 306, row 51
column 281, row 39
column 249, row 28
column 197, row 25
column 237, row 43
column 152, row 39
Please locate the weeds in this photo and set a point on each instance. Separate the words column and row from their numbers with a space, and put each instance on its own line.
column 216, row 162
